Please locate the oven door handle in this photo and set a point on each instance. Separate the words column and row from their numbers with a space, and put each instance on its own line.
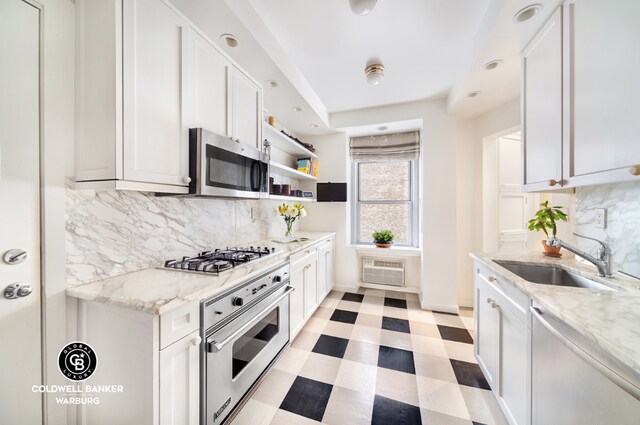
column 215, row 346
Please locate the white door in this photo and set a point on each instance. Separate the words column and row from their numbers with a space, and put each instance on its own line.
column 156, row 138
column 20, row 352
column 513, row 205
column 247, row 110
column 179, row 382
column 296, row 299
column 310, row 286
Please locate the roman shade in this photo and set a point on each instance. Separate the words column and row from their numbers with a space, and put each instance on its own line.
column 386, row 147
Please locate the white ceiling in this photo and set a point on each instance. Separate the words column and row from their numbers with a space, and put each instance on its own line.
column 422, row 44
column 317, row 51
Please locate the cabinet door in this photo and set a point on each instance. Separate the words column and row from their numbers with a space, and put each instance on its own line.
column 156, row 144
column 322, row 274
column 542, row 107
column 296, row 299
column 209, row 87
column 310, row 287
column 603, row 87
column 514, row 374
column 330, row 268
column 486, row 331
column 180, row 382
column 247, row 110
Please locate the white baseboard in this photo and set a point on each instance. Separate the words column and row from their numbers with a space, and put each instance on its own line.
column 409, row 289
column 345, row 288
column 439, row 307
column 466, row 303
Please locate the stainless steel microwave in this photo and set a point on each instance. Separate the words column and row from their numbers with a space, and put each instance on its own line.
column 222, row 167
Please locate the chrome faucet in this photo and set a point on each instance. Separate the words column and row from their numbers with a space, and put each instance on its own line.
column 603, row 262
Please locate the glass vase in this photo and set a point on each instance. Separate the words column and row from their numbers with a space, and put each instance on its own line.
column 289, row 232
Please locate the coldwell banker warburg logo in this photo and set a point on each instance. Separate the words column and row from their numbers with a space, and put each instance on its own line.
column 77, row 361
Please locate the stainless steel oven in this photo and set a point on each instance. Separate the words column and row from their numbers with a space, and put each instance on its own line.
column 220, row 166
column 244, row 330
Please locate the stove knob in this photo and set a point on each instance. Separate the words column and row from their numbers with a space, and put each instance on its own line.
column 277, row 279
column 273, row 250
column 237, row 301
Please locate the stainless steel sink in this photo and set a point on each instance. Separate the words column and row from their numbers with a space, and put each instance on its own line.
column 550, row 275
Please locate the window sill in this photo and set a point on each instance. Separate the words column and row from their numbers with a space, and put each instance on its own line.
column 406, row 251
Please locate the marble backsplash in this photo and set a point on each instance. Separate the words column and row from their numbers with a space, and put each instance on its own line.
column 622, row 201
column 114, row 232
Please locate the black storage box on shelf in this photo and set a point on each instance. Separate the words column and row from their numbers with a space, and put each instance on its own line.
column 332, row 192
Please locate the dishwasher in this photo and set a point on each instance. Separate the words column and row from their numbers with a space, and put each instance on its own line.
column 574, row 381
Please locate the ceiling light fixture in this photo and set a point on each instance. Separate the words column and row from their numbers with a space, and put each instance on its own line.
column 273, row 83
column 473, row 93
column 230, row 40
column 313, row 125
column 492, row 65
column 374, row 73
column 383, row 128
column 527, row 13
column 362, row 7
column 298, row 108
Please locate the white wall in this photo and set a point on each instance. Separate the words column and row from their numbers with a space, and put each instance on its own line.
column 439, row 192
column 469, row 221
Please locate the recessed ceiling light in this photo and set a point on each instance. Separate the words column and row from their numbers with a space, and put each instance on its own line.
column 383, row 128
column 298, row 108
column 230, row 40
column 473, row 93
column 527, row 13
column 374, row 73
column 492, row 65
column 362, row 7
column 314, row 125
column 273, row 83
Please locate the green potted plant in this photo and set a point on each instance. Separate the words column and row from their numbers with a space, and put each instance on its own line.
column 545, row 220
column 383, row 238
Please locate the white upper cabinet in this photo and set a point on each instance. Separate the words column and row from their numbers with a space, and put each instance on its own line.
column 145, row 75
column 247, row 110
column 542, row 107
column 156, row 139
column 603, row 91
column 580, row 97
column 210, row 87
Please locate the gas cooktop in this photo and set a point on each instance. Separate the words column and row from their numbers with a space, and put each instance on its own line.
column 219, row 260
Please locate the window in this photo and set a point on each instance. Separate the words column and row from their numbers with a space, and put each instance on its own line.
column 386, row 197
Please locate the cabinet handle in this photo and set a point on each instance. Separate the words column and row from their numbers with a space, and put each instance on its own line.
column 494, row 304
column 491, row 279
column 635, row 170
column 489, row 300
column 196, row 341
column 553, row 182
column 186, row 179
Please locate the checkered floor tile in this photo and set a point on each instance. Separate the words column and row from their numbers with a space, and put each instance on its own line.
column 375, row 358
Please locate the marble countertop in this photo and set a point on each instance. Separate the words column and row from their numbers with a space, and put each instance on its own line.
column 611, row 319
column 158, row 290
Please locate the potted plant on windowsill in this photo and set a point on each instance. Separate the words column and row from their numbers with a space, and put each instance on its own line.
column 383, row 238
column 546, row 218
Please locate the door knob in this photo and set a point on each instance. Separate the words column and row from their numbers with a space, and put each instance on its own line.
column 17, row 290
column 15, row 256
column 553, row 182
column 186, row 179
column 635, row 170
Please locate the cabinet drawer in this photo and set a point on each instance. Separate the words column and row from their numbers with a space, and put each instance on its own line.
column 300, row 255
column 511, row 297
column 177, row 323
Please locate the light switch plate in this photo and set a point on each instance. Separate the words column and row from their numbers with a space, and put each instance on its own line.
column 601, row 218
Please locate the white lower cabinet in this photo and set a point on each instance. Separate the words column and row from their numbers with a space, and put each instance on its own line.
column 502, row 344
column 325, row 268
column 180, row 382
column 296, row 300
column 154, row 358
column 312, row 276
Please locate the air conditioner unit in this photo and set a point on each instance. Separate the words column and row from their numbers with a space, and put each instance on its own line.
column 383, row 271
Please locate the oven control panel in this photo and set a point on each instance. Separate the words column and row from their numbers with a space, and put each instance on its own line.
column 242, row 296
